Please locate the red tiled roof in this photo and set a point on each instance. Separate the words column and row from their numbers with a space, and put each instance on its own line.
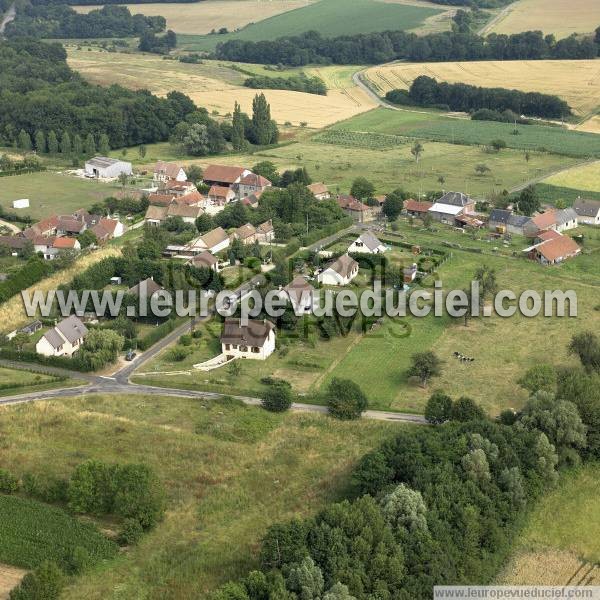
column 64, row 242
column 255, row 180
column 415, row 206
column 191, row 199
column 223, row 174
column 545, row 220
column 109, row 225
column 549, row 235
column 160, row 199
column 351, row 203
column 560, row 247
column 219, row 191
column 169, row 169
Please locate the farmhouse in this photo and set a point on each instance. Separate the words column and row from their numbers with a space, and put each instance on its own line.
column 505, row 221
column 68, row 225
column 458, row 199
column 300, row 294
column 103, row 167
column 66, row 243
column 224, row 176
column 251, row 201
column 588, row 211
column 256, row 340
column 445, row 213
column 15, row 243
column 188, row 214
column 45, row 227
column 64, row 339
column 558, row 220
column 367, row 243
column 553, row 248
column 164, row 171
column 220, row 195
column 359, row 211
column 155, row 215
column 265, row 232
column 414, row 208
column 162, row 199
column 145, row 289
column 246, row 234
column 340, row 272
column 319, row 191
column 214, row 241
column 205, row 260
column 178, row 188
column 252, row 183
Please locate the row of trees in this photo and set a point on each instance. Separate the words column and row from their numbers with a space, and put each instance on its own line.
column 298, row 83
column 61, row 21
column 426, row 91
column 375, row 48
column 157, row 44
column 54, row 98
column 65, row 145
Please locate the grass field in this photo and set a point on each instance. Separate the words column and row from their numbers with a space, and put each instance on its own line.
column 52, row 193
column 435, row 126
column 215, row 86
column 359, row 16
column 229, row 471
column 575, row 81
column 584, row 177
column 16, row 381
column 560, row 17
column 202, row 17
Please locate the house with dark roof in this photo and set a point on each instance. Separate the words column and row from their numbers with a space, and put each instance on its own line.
column 205, row 260
column 367, row 243
column 359, row 211
column 64, row 339
column 588, row 211
column 458, row 199
column 340, row 272
column 254, row 340
column 245, row 233
column 505, row 221
column 252, row 183
column 224, row 176
column 300, row 294
column 146, row 288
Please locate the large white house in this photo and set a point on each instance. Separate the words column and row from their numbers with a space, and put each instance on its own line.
column 367, row 243
column 340, row 272
column 102, row 167
column 588, row 211
column 164, row 171
column 64, row 339
column 256, row 340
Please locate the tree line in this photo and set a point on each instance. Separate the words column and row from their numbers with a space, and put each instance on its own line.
column 436, row 505
column 426, row 91
column 61, row 21
column 298, row 83
column 375, row 48
column 53, row 98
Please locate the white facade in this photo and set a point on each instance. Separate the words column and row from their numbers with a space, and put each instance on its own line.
column 364, row 245
column 251, row 352
column 102, row 167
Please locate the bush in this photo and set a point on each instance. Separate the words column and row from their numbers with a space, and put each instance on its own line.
column 197, row 333
column 185, row 340
column 178, row 354
column 45, row 583
column 9, row 484
column 157, row 334
column 345, row 399
column 131, row 533
column 277, row 398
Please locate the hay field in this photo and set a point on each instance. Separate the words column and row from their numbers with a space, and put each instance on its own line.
column 202, row 17
column 560, row 17
column 216, row 87
column 576, row 81
column 584, row 177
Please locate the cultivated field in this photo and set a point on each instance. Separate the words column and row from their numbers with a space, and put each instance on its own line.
column 202, row 17
column 435, row 126
column 560, row 17
column 584, row 177
column 52, row 193
column 576, row 81
column 359, row 16
column 216, row 86
column 229, row 471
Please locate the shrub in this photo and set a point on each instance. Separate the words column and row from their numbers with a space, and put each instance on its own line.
column 178, row 354
column 345, row 399
column 45, row 583
column 9, row 484
column 197, row 333
column 185, row 340
column 131, row 532
column 277, row 398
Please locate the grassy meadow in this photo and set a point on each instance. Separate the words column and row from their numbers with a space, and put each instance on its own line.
column 229, row 472
column 359, row 16
column 575, row 81
column 17, row 381
column 584, row 177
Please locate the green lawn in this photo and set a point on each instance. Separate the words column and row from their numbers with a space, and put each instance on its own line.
column 359, row 16
column 52, row 193
column 17, row 381
column 434, row 126
column 229, row 471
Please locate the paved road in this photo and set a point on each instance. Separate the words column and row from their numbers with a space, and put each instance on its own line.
column 14, row 228
column 8, row 17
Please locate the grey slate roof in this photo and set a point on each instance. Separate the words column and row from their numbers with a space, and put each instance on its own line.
column 343, row 265
column 499, row 215
column 253, row 334
column 454, row 199
column 151, row 287
column 586, row 208
column 565, row 215
column 102, row 161
column 370, row 241
column 54, row 338
column 72, row 328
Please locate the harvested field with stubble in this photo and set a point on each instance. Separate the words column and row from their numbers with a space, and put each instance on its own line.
column 10, row 577
column 584, row 177
column 216, row 86
column 576, row 81
column 560, row 17
column 202, row 17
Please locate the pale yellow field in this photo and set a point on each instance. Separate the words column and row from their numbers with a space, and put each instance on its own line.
column 576, row 81
column 10, row 577
column 216, row 87
column 591, row 125
column 202, row 17
column 560, row 17
column 549, row 567
column 585, row 177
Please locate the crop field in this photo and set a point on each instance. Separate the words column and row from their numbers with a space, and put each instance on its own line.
column 31, row 532
column 216, row 86
column 357, row 139
column 52, row 193
column 584, row 177
column 229, row 471
column 339, row 165
column 433, row 126
column 575, row 81
column 201, row 18
column 359, row 16
column 560, row 17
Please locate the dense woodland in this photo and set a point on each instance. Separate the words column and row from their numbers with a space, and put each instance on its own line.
column 61, row 21
column 426, row 91
column 375, row 48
